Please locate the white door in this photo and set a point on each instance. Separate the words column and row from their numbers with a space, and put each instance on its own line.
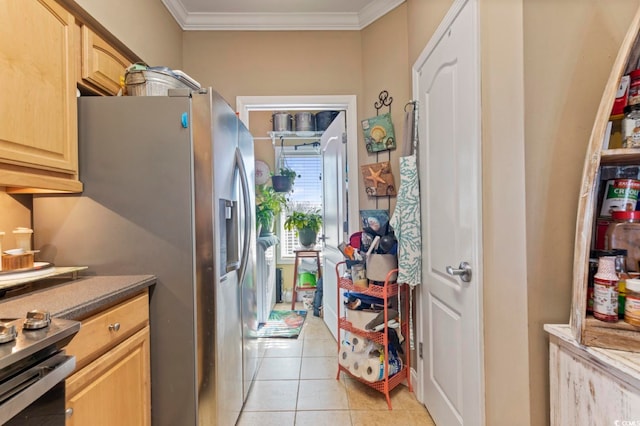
column 447, row 86
column 334, row 208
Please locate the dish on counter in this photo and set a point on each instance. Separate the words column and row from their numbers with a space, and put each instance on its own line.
column 14, row 273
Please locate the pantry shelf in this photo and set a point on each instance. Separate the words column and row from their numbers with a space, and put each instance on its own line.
column 598, row 166
column 621, row 156
column 387, row 291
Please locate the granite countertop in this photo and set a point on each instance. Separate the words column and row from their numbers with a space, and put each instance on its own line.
column 77, row 298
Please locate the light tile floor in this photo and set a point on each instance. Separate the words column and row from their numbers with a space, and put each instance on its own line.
column 296, row 385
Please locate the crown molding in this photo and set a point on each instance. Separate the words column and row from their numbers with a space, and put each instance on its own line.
column 271, row 21
column 196, row 21
column 375, row 10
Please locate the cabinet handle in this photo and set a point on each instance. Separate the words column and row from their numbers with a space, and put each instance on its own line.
column 68, row 413
column 114, row 327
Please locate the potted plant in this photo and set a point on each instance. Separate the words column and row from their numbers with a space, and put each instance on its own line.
column 269, row 203
column 306, row 224
column 283, row 181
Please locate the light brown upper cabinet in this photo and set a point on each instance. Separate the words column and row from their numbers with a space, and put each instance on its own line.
column 102, row 66
column 38, row 114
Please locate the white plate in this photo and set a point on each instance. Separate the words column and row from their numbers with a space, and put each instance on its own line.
column 263, row 172
column 39, row 268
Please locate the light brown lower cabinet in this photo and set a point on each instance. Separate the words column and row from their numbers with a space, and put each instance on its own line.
column 590, row 385
column 112, row 387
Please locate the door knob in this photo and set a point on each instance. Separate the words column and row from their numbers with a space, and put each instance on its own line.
column 464, row 271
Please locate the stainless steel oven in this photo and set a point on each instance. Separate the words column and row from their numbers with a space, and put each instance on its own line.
column 33, row 367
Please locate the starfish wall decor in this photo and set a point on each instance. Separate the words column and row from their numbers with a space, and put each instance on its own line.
column 378, row 179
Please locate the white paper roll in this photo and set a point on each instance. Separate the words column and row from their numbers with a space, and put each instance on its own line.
column 345, row 355
column 355, row 366
column 372, row 369
column 358, row 366
column 358, row 343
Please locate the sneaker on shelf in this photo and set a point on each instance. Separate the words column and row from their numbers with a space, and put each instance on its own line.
column 391, row 324
column 379, row 319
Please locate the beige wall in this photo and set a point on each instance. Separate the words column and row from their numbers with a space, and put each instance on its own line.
column 544, row 67
column 145, row 26
column 385, row 67
column 259, row 63
column 506, row 340
column 150, row 31
column 422, row 20
column 569, row 49
column 15, row 211
column 279, row 63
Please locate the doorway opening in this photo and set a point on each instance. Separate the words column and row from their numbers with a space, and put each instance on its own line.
column 261, row 107
column 247, row 104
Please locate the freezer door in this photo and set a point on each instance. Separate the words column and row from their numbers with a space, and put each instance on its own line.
column 219, row 319
column 251, row 348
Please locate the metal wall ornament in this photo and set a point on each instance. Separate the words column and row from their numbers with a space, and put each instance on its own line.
column 379, row 136
column 378, row 179
column 378, row 133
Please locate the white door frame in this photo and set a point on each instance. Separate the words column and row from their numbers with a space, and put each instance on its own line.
column 421, row 324
column 245, row 104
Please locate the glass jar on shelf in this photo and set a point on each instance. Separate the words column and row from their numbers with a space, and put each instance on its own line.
column 631, row 126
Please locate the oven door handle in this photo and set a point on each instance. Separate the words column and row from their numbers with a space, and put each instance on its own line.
column 36, row 381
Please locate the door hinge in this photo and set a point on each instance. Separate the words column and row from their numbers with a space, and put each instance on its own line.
column 344, row 137
column 420, row 350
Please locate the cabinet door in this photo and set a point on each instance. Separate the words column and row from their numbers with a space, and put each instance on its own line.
column 38, row 114
column 587, row 391
column 102, row 65
column 115, row 388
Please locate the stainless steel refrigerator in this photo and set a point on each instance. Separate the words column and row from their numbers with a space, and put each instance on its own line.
column 169, row 191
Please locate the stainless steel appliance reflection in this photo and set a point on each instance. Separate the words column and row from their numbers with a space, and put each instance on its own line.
column 169, row 190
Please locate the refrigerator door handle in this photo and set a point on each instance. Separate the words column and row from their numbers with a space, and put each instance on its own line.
column 244, row 180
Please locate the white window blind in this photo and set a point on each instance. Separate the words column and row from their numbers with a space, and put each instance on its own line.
column 307, row 191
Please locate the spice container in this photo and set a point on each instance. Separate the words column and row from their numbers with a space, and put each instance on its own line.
column 632, row 305
column 624, row 233
column 605, row 290
column 620, row 195
column 634, row 87
column 623, row 276
column 631, row 126
column 594, row 255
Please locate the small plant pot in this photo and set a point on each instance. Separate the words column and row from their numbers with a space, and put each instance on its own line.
column 307, row 237
column 281, row 183
column 266, row 229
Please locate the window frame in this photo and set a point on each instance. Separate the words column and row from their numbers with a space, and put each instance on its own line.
column 291, row 152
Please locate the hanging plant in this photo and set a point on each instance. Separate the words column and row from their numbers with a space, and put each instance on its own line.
column 284, row 179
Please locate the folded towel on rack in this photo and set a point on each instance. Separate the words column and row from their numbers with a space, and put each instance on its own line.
column 406, row 216
column 407, row 132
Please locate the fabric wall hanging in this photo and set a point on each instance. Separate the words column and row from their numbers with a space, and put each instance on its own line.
column 378, row 133
column 378, row 179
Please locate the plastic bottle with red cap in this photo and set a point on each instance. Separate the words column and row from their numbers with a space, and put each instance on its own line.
column 624, row 233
